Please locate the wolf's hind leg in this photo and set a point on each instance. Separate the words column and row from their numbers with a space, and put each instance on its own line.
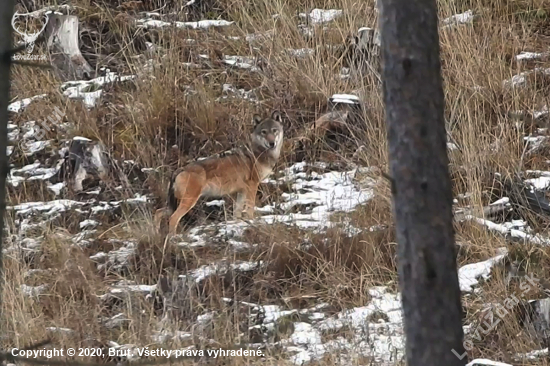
column 191, row 193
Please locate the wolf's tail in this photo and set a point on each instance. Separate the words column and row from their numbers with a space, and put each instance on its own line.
column 172, row 202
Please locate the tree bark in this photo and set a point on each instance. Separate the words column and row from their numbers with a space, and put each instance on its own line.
column 421, row 185
column 6, row 13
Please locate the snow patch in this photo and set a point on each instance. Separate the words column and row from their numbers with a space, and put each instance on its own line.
column 319, row 16
column 84, row 89
column 470, row 274
column 19, row 106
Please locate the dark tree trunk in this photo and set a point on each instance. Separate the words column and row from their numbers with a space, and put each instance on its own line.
column 422, row 196
column 28, row 5
column 6, row 12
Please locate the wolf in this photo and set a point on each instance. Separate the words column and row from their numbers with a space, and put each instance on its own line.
column 237, row 173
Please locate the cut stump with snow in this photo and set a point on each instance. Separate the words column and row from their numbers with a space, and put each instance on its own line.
column 62, row 41
column 85, row 159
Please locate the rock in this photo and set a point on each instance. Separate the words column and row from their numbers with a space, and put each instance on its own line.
column 339, row 125
column 331, row 121
column 353, row 108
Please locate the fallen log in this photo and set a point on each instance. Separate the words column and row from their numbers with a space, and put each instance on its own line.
column 463, row 214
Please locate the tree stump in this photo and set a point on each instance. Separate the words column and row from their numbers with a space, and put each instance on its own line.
column 62, row 41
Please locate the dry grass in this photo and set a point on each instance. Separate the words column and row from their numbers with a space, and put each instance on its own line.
column 142, row 121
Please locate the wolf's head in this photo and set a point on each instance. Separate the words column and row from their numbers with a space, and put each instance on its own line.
column 268, row 133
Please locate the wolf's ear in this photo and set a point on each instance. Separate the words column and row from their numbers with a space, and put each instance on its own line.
column 257, row 119
column 276, row 116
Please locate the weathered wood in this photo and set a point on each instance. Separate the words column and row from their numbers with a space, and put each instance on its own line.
column 422, row 196
column 62, row 41
column 488, row 211
column 85, row 159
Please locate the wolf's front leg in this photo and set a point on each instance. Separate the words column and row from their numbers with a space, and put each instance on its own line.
column 238, row 205
column 251, row 200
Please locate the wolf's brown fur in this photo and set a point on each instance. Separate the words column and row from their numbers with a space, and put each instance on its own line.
column 239, row 173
